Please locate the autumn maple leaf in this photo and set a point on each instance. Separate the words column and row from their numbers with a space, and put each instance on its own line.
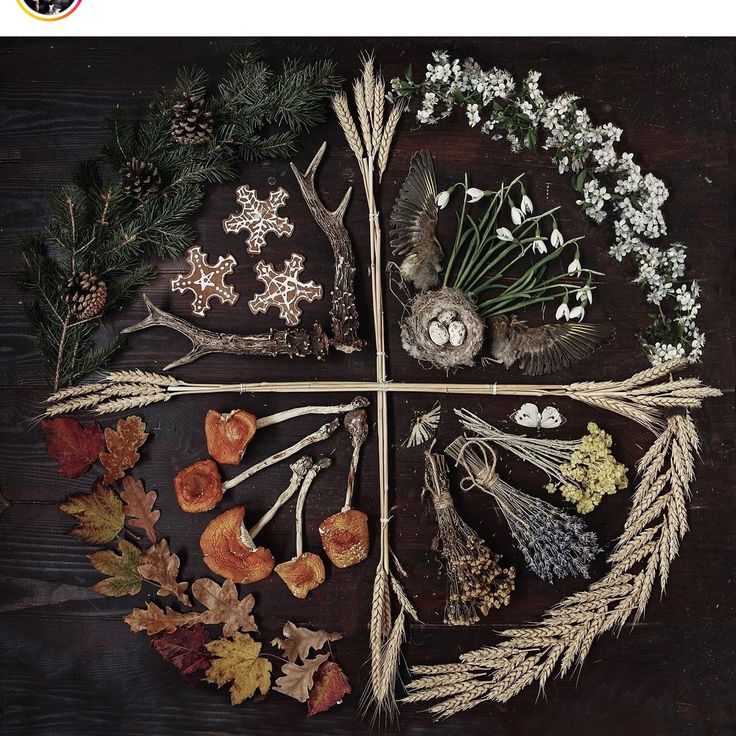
column 73, row 446
column 122, row 569
column 100, row 514
column 238, row 663
column 185, row 648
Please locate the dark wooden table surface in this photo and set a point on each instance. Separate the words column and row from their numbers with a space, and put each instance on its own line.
column 70, row 666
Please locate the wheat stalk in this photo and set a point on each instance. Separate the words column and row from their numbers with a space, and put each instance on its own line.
column 562, row 639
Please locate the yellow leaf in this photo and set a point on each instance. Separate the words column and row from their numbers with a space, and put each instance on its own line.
column 238, row 662
column 100, row 514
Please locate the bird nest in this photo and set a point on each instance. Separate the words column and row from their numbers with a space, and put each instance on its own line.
column 442, row 328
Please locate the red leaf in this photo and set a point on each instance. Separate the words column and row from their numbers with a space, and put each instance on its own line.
column 73, row 446
column 330, row 687
column 184, row 648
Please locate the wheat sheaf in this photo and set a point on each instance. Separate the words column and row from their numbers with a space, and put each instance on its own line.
column 650, row 541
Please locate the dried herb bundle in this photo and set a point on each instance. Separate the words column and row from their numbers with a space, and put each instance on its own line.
column 554, row 543
column 562, row 639
column 583, row 470
column 102, row 229
column 476, row 581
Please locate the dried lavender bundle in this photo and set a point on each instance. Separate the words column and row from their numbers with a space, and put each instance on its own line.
column 584, row 470
column 554, row 543
column 476, row 581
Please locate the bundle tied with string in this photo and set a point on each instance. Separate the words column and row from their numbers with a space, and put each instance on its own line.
column 553, row 542
column 476, row 581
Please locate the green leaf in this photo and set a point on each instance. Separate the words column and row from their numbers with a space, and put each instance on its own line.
column 122, row 570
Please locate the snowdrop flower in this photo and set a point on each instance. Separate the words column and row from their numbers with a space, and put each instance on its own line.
column 585, row 294
column 556, row 238
column 474, row 195
column 526, row 205
column 442, row 199
column 563, row 311
column 517, row 216
column 575, row 268
column 503, row 233
column 539, row 246
column 577, row 313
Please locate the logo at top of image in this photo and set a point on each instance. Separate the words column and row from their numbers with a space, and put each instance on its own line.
column 49, row 10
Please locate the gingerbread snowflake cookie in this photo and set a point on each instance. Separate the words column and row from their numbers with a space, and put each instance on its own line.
column 259, row 217
column 284, row 290
column 206, row 282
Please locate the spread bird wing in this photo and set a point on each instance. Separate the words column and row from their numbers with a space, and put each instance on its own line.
column 414, row 216
column 550, row 348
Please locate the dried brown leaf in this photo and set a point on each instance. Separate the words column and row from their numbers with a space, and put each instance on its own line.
column 122, row 447
column 224, row 606
column 298, row 641
column 152, row 619
column 138, row 507
column 160, row 566
column 297, row 680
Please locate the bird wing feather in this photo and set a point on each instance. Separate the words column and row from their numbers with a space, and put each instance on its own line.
column 549, row 348
column 414, row 215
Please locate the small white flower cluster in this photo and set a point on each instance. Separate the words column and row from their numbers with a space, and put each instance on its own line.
column 580, row 147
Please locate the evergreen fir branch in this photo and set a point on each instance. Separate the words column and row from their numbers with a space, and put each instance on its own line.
column 95, row 227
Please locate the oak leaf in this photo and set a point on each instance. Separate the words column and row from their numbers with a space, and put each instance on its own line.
column 331, row 685
column 73, row 446
column 185, row 648
column 122, row 569
column 122, row 447
column 297, row 680
column 238, row 663
column 223, row 606
column 153, row 620
column 298, row 641
column 99, row 513
column 160, row 566
column 139, row 506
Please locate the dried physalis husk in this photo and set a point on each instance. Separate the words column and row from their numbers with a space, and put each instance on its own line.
column 302, row 574
column 229, row 434
column 198, row 487
column 345, row 537
column 229, row 551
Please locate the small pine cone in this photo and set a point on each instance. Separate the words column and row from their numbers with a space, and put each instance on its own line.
column 140, row 179
column 191, row 123
column 86, row 295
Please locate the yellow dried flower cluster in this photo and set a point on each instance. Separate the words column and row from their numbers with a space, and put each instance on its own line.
column 477, row 582
column 592, row 473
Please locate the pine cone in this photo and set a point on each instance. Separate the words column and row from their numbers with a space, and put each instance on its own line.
column 140, row 179
column 86, row 295
column 191, row 123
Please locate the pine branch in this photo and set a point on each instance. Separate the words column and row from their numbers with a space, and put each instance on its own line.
column 96, row 228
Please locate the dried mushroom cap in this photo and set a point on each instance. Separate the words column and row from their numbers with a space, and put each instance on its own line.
column 356, row 423
column 302, row 574
column 229, row 434
column 229, row 551
column 199, row 486
column 345, row 537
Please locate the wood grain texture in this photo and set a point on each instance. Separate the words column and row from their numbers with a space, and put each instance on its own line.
column 70, row 667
